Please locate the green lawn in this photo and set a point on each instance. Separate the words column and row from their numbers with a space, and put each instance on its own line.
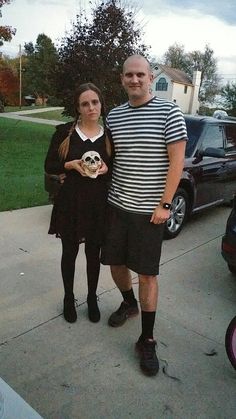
column 23, row 147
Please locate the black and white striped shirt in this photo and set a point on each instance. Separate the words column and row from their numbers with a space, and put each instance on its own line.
column 140, row 136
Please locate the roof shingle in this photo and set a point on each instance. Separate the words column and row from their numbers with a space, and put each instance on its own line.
column 175, row 74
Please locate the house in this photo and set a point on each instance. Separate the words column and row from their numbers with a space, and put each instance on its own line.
column 175, row 85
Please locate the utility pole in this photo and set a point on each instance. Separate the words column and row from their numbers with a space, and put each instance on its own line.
column 20, row 77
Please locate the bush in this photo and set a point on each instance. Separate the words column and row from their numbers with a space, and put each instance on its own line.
column 54, row 101
column 1, row 106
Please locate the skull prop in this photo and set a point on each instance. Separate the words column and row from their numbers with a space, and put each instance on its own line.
column 91, row 163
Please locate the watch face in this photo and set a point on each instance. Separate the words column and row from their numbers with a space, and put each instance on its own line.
column 166, row 205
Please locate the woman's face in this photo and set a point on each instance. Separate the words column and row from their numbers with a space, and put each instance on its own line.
column 89, row 106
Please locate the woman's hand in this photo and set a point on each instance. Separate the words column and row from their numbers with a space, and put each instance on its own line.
column 103, row 169
column 75, row 165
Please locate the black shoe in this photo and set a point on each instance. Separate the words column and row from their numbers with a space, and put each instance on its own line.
column 149, row 363
column 69, row 311
column 120, row 316
column 93, row 310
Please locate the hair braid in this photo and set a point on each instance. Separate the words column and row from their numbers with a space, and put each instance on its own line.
column 64, row 146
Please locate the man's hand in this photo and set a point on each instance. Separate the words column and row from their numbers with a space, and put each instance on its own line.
column 160, row 215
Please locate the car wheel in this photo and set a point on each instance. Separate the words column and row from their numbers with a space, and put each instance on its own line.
column 230, row 342
column 178, row 214
column 232, row 268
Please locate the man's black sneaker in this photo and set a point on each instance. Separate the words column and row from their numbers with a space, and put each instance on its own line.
column 69, row 310
column 120, row 316
column 148, row 359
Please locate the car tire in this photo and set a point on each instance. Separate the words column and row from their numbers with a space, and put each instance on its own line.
column 178, row 214
column 232, row 268
column 230, row 342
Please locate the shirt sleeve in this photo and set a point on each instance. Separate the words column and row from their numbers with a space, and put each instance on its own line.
column 175, row 128
column 53, row 164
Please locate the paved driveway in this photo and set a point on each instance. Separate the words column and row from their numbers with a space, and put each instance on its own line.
column 89, row 371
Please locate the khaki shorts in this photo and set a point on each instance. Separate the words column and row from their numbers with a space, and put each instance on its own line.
column 130, row 239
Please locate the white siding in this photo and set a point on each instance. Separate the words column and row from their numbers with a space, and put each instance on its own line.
column 188, row 102
column 182, row 99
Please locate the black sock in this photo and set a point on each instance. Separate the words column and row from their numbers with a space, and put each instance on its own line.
column 129, row 297
column 148, row 321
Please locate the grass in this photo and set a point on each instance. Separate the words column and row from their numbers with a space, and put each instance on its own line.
column 23, row 147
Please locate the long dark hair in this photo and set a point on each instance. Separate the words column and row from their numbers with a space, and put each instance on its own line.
column 64, row 147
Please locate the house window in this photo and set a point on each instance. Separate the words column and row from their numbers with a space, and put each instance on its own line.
column 162, row 84
column 185, row 89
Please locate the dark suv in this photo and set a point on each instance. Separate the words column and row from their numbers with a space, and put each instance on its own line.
column 209, row 175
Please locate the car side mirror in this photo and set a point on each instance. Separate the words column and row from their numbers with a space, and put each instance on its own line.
column 213, row 152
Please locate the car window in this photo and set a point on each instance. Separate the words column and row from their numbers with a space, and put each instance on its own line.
column 213, row 137
column 194, row 130
column 230, row 134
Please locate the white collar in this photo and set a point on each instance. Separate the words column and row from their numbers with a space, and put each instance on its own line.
column 84, row 137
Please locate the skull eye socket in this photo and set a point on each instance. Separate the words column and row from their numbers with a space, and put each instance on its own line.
column 88, row 159
column 96, row 158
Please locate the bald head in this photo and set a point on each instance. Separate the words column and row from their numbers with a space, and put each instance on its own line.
column 139, row 59
column 136, row 79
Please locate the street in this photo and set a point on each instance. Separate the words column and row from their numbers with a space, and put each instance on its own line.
column 88, row 371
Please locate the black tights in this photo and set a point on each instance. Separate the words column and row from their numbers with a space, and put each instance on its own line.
column 69, row 253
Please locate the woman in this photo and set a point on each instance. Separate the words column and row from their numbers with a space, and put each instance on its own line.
column 79, row 208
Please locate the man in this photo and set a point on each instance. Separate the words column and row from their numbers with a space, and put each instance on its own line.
column 149, row 137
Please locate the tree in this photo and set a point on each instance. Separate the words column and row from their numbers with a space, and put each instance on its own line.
column 9, row 82
column 40, row 64
column 205, row 62
column 228, row 93
column 6, row 32
column 175, row 57
column 94, row 51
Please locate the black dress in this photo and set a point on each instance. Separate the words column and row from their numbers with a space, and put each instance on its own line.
column 79, row 208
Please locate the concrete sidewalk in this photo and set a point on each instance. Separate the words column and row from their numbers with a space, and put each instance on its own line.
column 32, row 110
column 21, row 115
column 90, row 371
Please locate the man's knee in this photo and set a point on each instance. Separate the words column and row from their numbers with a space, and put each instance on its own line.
column 147, row 279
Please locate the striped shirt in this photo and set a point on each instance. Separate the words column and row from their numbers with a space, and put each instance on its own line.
column 140, row 136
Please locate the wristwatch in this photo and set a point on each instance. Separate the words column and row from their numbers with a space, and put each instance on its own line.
column 166, row 205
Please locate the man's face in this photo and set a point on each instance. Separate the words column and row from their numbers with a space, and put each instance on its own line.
column 137, row 79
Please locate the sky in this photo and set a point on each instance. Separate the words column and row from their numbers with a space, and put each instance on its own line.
column 190, row 23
